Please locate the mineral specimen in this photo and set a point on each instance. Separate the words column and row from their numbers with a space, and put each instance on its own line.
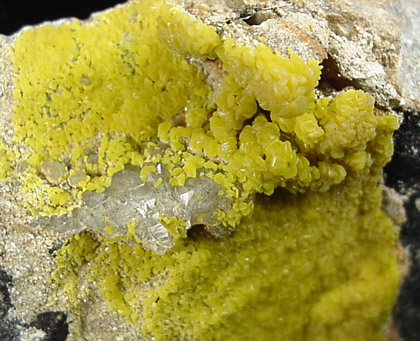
column 289, row 177
column 147, row 205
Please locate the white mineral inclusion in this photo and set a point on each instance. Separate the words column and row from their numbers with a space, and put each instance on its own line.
column 128, row 198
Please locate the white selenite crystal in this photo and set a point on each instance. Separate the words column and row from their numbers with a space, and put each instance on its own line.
column 128, row 198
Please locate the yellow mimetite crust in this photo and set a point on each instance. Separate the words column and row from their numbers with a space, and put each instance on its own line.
column 313, row 260
column 303, row 267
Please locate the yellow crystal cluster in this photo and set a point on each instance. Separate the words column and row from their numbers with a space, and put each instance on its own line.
column 303, row 267
column 186, row 34
column 93, row 96
column 95, row 110
column 314, row 261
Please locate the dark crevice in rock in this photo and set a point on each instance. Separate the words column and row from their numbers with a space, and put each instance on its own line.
column 197, row 232
column 54, row 324
column 254, row 16
column 403, row 174
column 53, row 250
column 246, row 12
column 259, row 17
column 382, row 107
column 6, row 282
column 331, row 79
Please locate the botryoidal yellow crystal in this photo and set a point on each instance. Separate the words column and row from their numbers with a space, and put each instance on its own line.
column 313, row 255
